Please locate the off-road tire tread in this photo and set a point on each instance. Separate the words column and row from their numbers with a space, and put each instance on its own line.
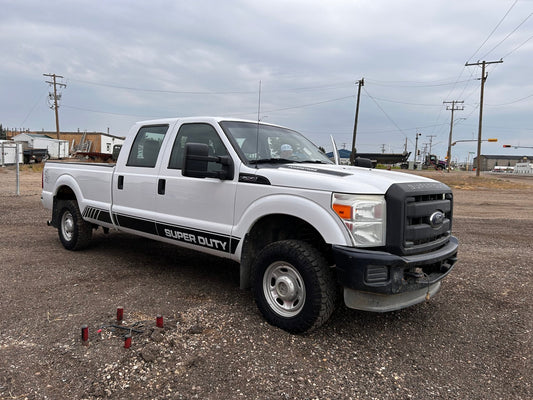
column 318, row 278
column 83, row 229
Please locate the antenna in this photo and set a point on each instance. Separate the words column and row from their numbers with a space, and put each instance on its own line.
column 258, row 120
column 259, row 105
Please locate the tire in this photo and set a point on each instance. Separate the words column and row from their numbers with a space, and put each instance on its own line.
column 74, row 232
column 293, row 286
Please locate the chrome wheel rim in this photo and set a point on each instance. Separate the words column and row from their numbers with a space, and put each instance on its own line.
column 67, row 226
column 284, row 289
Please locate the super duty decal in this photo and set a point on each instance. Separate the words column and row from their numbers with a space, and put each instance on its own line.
column 196, row 237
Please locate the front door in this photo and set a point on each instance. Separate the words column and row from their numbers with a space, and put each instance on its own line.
column 198, row 212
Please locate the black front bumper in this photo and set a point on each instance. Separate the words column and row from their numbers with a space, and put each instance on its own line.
column 383, row 273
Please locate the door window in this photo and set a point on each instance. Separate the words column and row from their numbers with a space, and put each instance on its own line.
column 197, row 133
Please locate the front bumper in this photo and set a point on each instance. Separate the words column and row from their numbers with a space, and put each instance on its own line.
column 380, row 281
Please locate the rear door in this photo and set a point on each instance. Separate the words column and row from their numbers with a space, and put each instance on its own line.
column 135, row 182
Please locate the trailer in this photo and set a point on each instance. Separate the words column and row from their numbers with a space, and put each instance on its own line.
column 8, row 153
column 387, row 158
column 35, row 155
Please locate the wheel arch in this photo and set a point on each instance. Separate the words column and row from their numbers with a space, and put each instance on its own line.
column 66, row 189
column 301, row 219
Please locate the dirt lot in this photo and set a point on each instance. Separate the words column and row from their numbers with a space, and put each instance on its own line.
column 472, row 341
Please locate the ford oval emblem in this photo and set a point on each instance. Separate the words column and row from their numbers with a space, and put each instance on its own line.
column 436, row 219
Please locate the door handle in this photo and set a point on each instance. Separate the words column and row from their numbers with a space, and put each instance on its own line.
column 161, row 186
column 120, row 184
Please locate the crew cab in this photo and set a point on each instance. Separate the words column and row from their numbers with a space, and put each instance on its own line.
column 299, row 225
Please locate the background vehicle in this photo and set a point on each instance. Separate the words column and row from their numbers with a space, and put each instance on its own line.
column 432, row 161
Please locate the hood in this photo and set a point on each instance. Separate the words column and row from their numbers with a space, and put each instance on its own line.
column 336, row 178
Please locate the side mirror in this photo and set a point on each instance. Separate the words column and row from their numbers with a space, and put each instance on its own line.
column 116, row 152
column 197, row 161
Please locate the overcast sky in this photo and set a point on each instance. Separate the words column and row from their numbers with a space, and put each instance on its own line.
column 126, row 60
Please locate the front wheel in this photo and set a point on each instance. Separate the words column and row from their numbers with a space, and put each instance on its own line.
column 293, row 286
column 74, row 232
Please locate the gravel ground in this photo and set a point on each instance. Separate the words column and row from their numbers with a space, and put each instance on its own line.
column 472, row 341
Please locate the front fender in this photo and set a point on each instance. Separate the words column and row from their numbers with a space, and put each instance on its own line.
column 324, row 220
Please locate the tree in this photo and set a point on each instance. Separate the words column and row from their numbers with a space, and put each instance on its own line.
column 2, row 133
column 323, row 150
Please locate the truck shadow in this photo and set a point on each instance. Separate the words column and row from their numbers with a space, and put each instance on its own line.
column 197, row 276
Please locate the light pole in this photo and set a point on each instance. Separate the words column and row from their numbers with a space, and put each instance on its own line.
column 468, row 159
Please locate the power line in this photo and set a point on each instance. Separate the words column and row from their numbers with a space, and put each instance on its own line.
column 264, row 111
column 494, row 30
column 310, row 104
column 387, row 115
column 112, row 113
column 464, row 67
column 506, row 37
column 422, row 84
column 511, row 102
column 35, row 105
column 407, row 103
column 206, row 92
column 516, row 48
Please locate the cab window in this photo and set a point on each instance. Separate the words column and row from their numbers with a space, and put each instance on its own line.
column 146, row 146
column 197, row 133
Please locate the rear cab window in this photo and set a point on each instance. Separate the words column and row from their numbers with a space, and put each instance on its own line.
column 146, row 146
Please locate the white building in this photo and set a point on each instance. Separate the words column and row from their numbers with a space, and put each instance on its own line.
column 56, row 148
column 523, row 168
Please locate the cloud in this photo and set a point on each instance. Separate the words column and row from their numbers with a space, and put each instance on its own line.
column 130, row 60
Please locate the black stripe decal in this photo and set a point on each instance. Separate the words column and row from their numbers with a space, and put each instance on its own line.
column 137, row 224
column 97, row 214
column 182, row 234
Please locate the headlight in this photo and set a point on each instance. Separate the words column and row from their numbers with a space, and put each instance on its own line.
column 364, row 216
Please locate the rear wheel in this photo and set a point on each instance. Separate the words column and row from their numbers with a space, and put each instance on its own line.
column 293, row 286
column 74, row 232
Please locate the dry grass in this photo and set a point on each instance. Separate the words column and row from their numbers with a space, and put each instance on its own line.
column 38, row 168
column 469, row 180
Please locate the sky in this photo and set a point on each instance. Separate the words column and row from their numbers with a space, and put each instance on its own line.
column 291, row 63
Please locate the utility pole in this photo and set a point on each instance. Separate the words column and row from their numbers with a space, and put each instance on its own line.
column 360, row 83
column 483, row 79
column 55, row 96
column 416, row 147
column 452, row 109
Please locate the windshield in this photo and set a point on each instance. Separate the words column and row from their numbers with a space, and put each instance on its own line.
column 275, row 144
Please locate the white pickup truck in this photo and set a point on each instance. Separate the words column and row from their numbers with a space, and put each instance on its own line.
column 300, row 226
